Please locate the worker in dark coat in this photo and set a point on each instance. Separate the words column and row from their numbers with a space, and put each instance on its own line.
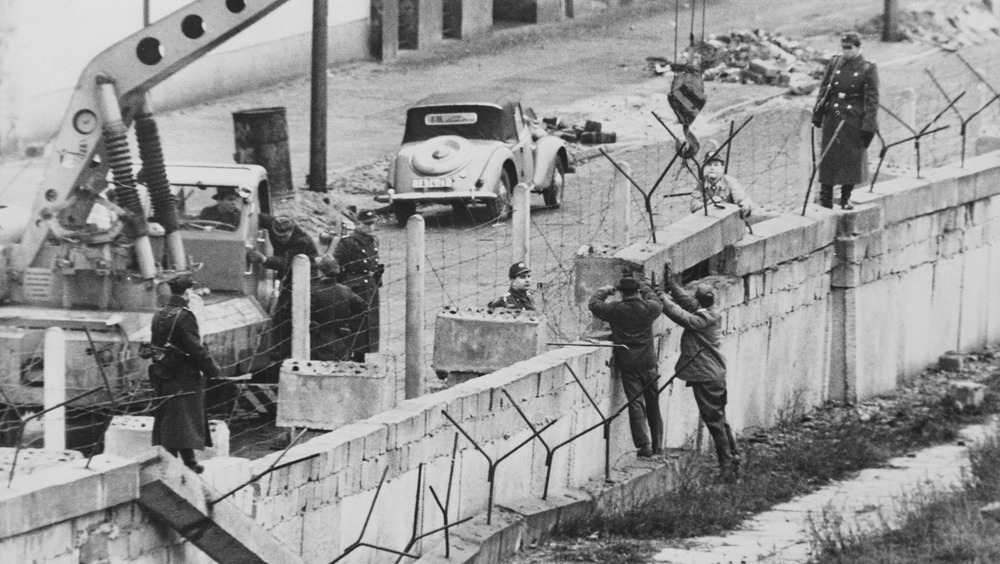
column 181, row 363
column 288, row 240
column 228, row 208
column 631, row 322
column 517, row 297
column 848, row 94
column 702, row 364
column 336, row 314
column 360, row 270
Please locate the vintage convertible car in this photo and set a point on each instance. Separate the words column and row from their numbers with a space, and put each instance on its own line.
column 473, row 148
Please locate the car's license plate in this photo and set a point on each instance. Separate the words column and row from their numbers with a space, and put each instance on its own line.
column 424, row 183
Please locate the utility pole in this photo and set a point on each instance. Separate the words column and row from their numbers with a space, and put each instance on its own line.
column 890, row 21
column 317, row 131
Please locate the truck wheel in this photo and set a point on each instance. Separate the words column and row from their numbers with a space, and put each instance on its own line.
column 499, row 208
column 554, row 193
column 403, row 211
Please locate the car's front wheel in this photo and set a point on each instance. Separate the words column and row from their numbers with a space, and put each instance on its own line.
column 554, row 193
column 403, row 211
column 499, row 208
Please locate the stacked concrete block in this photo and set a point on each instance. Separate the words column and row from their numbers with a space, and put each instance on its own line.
column 326, row 395
column 481, row 341
column 595, row 266
column 129, row 436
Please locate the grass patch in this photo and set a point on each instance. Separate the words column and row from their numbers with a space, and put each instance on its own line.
column 796, row 457
column 943, row 527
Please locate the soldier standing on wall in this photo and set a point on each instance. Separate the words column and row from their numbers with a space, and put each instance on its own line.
column 631, row 323
column 848, row 94
column 178, row 371
column 336, row 314
column 288, row 240
column 517, row 297
column 360, row 270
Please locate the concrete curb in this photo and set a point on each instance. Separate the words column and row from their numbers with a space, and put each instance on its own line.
column 531, row 521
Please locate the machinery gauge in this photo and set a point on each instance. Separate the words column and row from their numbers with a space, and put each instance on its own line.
column 85, row 121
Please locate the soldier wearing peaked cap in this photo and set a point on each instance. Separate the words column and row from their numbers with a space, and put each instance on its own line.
column 288, row 240
column 631, row 322
column 848, row 94
column 517, row 297
column 177, row 374
column 361, row 271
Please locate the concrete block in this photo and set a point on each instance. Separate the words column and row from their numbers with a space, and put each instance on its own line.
column 862, row 219
column 595, row 266
column 745, row 256
column 690, row 240
column 482, row 341
column 967, row 394
column 952, row 362
column 328, row 395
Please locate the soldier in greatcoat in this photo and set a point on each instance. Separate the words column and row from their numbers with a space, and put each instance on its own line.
column 336, row 314
column 848, row 94
column 181, row 363
column 361, row 271
column 287, row 240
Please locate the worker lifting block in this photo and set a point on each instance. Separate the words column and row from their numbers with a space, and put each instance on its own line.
column 318, row 394
column 470, row 342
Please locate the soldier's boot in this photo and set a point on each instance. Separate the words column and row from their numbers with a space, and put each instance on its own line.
column 826, row 195
column 845, row 196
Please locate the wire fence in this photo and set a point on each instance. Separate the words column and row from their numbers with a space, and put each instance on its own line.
column 467, row 257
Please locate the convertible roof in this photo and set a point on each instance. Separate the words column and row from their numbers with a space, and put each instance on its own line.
column 504, row 99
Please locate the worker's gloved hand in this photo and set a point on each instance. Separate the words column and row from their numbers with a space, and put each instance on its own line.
column 746, row 209
column 668, row 277
column 607, row 289
column 866, row 137
column 255, row 257
column 717, row 200
column 817, row 120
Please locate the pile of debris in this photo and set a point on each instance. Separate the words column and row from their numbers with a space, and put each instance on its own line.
column 753, row 57
column 947, row 25
column 588, row 133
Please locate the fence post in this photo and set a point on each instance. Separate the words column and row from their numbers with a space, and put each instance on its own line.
column 414, row 306
column 301, row 292
column 621, row 220
column 521, row 224
column 55, row 388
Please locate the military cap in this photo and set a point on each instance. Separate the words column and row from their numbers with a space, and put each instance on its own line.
column 282, row 225
column 850, row 38
column 517, row 269
column 180, row 282
column 366, row 216
column 715, row 159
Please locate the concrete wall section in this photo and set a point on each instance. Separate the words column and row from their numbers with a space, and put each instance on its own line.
column 477, row 17
column 836, row 306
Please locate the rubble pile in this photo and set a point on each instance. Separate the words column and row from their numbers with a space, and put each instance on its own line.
column 948, row 25
column 753, row 57
column 588, row 133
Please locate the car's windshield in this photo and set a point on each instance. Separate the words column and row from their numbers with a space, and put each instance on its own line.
column 468, row 121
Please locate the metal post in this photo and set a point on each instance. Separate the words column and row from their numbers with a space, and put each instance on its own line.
column 908, row 105
column 414, row 307
column 55, row 388
column 521, row 224
column 317, row 131
column 621, row 220
column 301, row 292
column 262, row 138
column 390, row 30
